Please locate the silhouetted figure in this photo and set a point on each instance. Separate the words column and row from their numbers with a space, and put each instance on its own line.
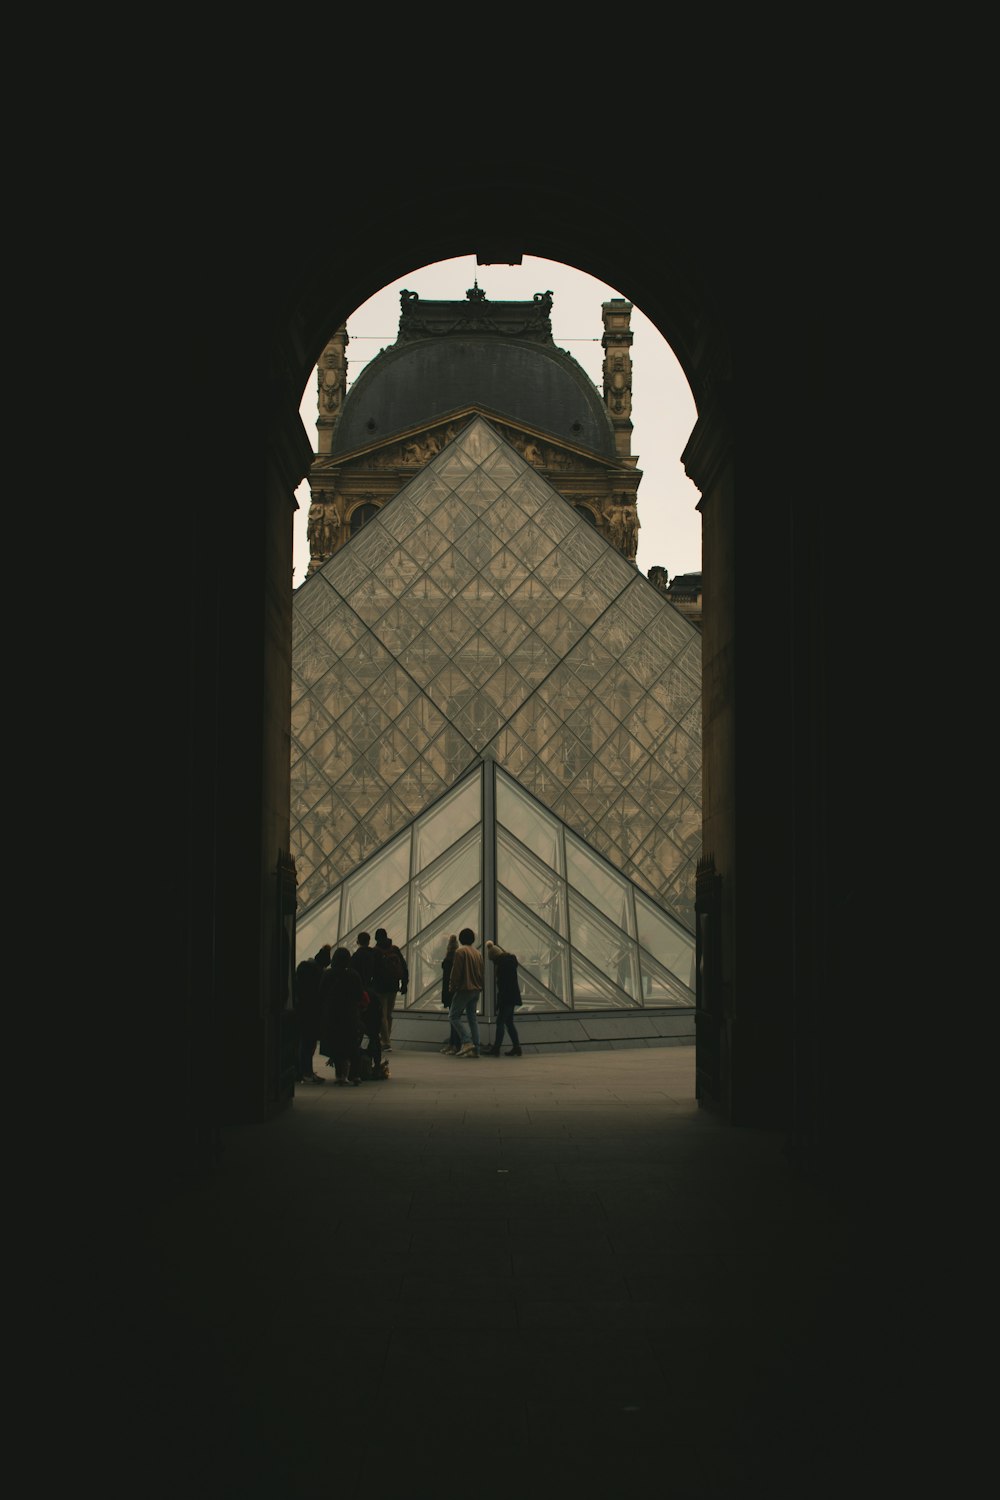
column 392, row 978
column 454, row 1041
column 341, row 1008
column 364, row 960
column 307, row 1011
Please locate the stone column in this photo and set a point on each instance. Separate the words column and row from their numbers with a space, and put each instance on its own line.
column 331, row 383
column 616, row 343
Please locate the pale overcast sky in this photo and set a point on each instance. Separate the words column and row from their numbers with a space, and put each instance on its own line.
column 663, row 410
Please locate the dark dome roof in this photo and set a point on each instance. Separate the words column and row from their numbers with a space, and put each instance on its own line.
column 422, row 379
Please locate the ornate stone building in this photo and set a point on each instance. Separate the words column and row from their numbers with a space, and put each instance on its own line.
column 455, row 360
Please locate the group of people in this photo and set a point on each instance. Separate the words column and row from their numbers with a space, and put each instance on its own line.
column 462, row 979
column 344, row 1005
column 345, row 1001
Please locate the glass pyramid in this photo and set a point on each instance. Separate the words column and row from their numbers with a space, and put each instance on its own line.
column 479, row 620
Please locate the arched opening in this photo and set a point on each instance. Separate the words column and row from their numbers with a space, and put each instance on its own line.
column 360, row 516
column 619, row 702
column 689, row 286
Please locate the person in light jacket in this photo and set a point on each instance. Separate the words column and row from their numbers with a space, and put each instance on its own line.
column 465, row 984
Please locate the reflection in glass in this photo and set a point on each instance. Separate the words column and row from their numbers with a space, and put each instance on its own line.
column 661, row 988
column 435, row 889
column 666, row 940
column 601, row 886
column 391, row 915
column 445, row 823
column 607, row 947
column 534, row 885
column 540, row 951
column 593, row 990
column 377, row 881
column 528, row 823
column 312, row 930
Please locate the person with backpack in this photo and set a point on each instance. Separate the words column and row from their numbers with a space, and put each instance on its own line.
column 392, row 978
column 508, row 998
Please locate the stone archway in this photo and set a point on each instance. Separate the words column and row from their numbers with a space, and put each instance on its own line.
column 690, row 287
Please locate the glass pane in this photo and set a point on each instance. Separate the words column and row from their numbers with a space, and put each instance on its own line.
column 649, row 722
column 375, row 884
column 533, row 659
column 623, row 756
column 669, row 944
column 479, row 492
column 558, row 572
column 479, row 544
column 590, row 661
column 527, row 822
column 319, row 926
column 427, row 949
column 661, row 988
column 593, row 990
column 371, row 600
column 340, row 630
column 396, row 629
column 540, row 951
column 391, row 916
column 478, row 722
column 425, row 599
column 478, row 659
column 532, row 601
column 455, row 872
column 506, row 573
column 625, row 822
column 601, row 886
column 506, row 629
column 505, row 519
column 423, row 659
column 425, row 544
column 454, row 815
column 559, row 629
column 534, row 997
column 419, row 786
column 608, row 948
column 565, row 756
column 534, row 885
column 582, row 546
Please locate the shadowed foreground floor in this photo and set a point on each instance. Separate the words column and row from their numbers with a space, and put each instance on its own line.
column 548, row 1273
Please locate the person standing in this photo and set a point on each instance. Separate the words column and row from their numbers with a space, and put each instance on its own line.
column 465, row 984
column 392, row 978
column 341, row 1006
column 307, row 1012
column 508, row 998
column 364, row 960
column 454, row 1040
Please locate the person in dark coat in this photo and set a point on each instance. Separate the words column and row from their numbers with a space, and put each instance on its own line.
column 363, row 959
column 454, row 1040
column 392, row 978
column 307, row 1011
column 508, row 996
column 341, row 1006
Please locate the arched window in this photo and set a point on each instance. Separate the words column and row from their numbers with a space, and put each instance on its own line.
column 361, row 516
column 586, row 513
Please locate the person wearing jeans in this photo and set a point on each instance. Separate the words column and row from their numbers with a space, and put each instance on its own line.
column 465, row 986
column 508, row 998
